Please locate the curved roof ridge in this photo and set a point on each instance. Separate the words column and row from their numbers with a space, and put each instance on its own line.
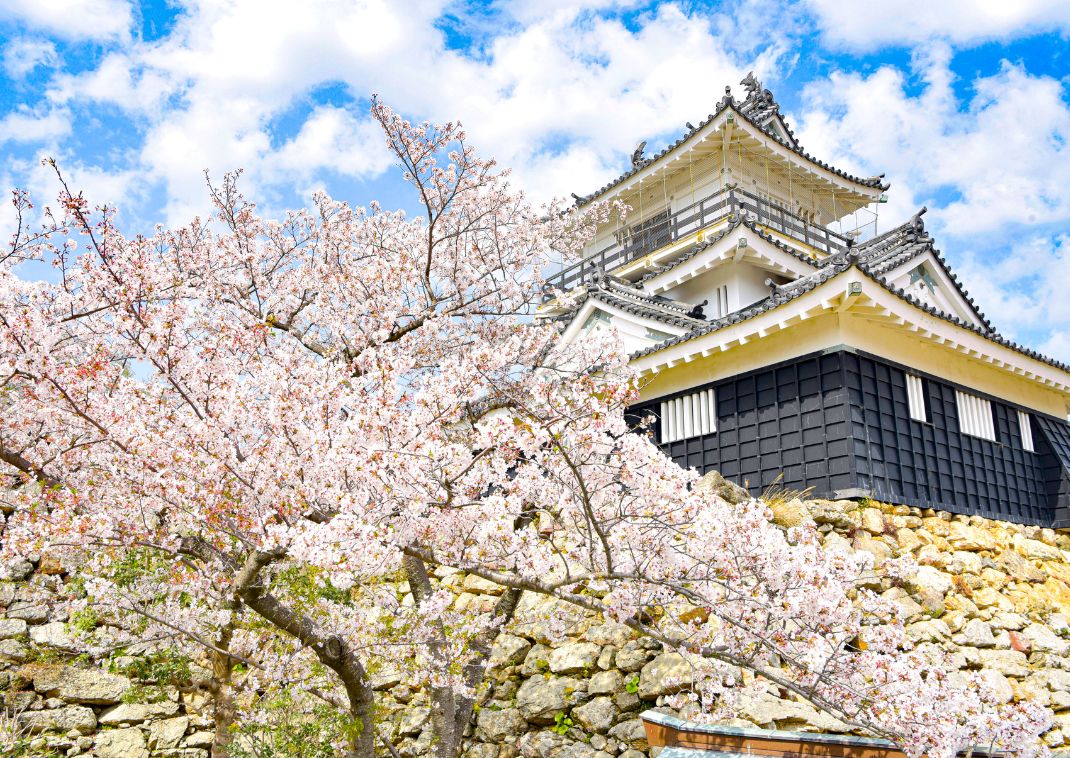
column 821, row 276
column 878, row 256
column 646, row 308
column 639, row 162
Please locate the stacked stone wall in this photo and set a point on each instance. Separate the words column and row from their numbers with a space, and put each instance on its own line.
column 59, row 703
column 996, row 594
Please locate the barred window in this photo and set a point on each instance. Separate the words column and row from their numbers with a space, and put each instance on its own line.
column 975, row 416
column 689, row 416
column 916, row 398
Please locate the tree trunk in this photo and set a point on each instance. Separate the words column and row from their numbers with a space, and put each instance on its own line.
column 223, row 696
column 451, row 712
column 331, row 649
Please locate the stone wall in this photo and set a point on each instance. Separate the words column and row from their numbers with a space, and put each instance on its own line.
column 59, row 704
column 998, row 594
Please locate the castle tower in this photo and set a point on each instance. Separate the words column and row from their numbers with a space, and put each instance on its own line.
column 782, row 341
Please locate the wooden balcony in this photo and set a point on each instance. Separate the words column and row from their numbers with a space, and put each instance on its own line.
column 706, row 213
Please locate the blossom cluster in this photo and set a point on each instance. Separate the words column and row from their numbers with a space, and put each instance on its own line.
column 241, row 411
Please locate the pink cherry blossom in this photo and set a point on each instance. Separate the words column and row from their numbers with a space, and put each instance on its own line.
column 251, row 425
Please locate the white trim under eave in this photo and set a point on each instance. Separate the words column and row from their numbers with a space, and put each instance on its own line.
column 759, row 252
column 801, row 309
column 576, row 325
column 832, row 295
column 939, row 331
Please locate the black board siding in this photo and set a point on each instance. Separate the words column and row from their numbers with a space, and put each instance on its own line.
column 1053, row 444
column 932, row 464
column 838, row 424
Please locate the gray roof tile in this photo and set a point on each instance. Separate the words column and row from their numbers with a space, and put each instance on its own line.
column 757, row 110
column 873, row 258
column 620, row 294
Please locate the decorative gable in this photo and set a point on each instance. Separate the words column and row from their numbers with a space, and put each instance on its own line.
column 906, row 259
column 639, row 319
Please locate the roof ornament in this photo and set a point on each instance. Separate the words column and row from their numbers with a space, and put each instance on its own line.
column 751, row 84
column 637, row 155
column 596, row 277
column 697, row 312
column 578, row 199
column 917, row 226
column 759, row 104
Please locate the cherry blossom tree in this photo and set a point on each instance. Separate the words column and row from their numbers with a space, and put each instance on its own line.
column 252, row 427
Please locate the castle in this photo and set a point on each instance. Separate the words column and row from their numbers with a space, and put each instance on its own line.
column 779, row 349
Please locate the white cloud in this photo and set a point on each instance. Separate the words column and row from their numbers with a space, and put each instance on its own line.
column 26, row 126
column 117, row 80
column 333, row 139
column 22, row 55
column 1057, row 346
column 561, row 99
column 1004, row 155
column 1024, row 291
column 993, row 170
column 73, row 19
column 864, row 25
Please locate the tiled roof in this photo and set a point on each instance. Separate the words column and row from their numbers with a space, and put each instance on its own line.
column 779, row 296
column 756, row 110
column 620, row 294
column 873, row 258
column 688, row 253
column 887, row 251
column 763, row 109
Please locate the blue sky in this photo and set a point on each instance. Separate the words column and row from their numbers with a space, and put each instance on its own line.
column 964, row 104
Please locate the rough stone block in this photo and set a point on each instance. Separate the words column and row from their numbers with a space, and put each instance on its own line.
column 574, row 658
column 669, row 672
column 135, row 713
column 497, row 726
column 540, row 699
column 121, row 743
column 596, row 716
column 508, row 651
column 79, row 685
column 73, row 717
column 168, row 732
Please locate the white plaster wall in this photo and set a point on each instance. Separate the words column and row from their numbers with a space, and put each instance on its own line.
column 746, row 285
column 635, row 336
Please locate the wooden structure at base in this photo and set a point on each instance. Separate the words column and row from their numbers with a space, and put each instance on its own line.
column 685, row 739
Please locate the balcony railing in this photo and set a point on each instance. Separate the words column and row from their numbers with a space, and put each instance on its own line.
column 665, row 228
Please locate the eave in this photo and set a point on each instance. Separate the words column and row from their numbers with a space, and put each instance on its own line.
column 870, row 188
column 714, row 251
column 871, row 298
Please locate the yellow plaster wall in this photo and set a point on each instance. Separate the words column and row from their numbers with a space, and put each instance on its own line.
column 904, row 347
column 801, row 339
column 847, row 329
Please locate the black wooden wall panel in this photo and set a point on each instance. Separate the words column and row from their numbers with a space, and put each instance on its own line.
column 1053, row 443
column 784, row 425
column 840, row 423
column 933, row 464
